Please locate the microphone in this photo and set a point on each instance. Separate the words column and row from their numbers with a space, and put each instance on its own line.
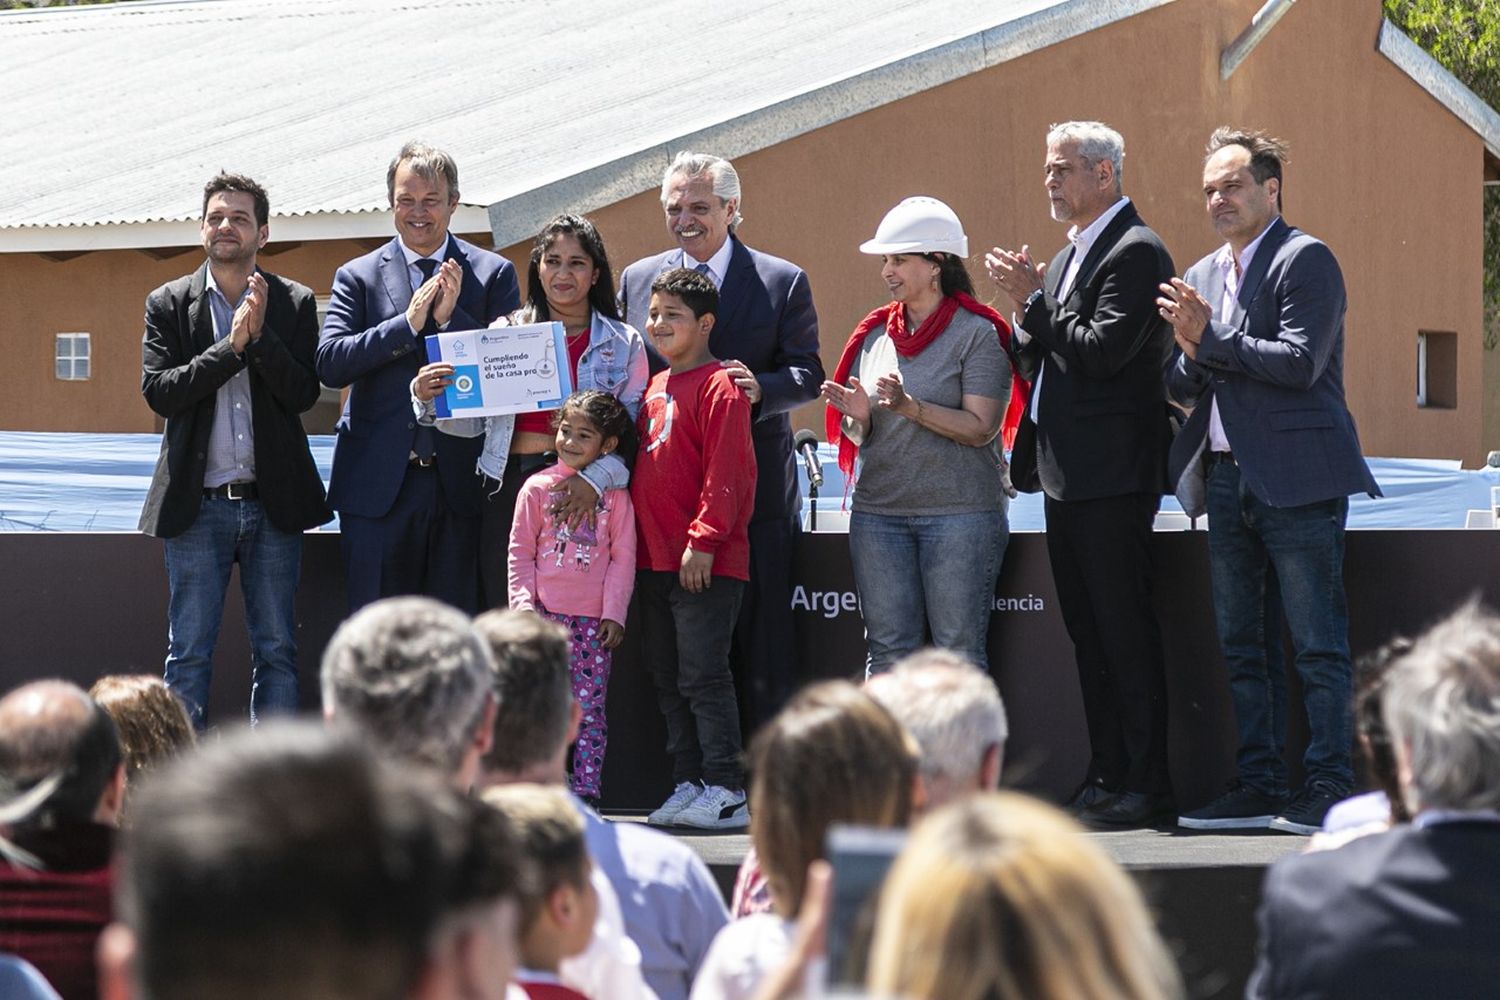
column 805, row 443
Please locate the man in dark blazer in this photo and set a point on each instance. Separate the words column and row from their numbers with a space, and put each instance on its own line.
column 407, row 495
column 227, row 359
column 1271, row 454
column 766, row 332
column 1094, row 440
column 1413, row 911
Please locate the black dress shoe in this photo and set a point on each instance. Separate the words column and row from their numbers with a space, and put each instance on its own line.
column 1090, row 795
column 1128, row 810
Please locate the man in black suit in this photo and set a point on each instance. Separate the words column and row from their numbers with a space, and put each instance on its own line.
column 227, row 359
column 766, row 331
column 1094, row 439
column 1410, row 912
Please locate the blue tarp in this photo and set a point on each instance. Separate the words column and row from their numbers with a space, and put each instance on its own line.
column 97, row 482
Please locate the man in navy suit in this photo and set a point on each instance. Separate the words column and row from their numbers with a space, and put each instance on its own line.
column 1272, row 454
column 1410, row 912
column 407, row 496
column 767, row 333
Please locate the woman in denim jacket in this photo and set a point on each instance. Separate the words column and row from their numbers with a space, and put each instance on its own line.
column 568, row 281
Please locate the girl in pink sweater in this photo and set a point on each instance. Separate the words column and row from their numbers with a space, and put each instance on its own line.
column 579, row 576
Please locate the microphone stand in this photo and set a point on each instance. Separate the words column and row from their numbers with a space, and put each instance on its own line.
column 812, row 497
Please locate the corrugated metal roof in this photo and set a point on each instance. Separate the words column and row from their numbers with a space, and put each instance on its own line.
column 118, row 113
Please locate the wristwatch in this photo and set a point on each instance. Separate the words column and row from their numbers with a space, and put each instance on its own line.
column 1026, row 307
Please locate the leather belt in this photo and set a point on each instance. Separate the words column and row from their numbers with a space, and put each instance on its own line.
column 233, row 491
column 418, row 462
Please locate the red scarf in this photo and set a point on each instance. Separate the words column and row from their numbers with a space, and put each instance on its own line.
column 909, row 345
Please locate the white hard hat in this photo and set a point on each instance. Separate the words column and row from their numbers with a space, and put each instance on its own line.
column 919, row 225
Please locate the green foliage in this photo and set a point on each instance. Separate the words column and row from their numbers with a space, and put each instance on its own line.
column 1464, row 35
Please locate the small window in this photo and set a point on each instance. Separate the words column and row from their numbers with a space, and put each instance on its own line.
column 73, row 357
column 1437, row 369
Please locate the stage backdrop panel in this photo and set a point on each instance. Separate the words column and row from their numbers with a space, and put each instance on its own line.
column 82, row 605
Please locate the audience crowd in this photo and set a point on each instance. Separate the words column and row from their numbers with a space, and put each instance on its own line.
column 437, row 835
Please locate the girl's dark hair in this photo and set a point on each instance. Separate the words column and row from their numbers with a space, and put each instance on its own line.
column 601, row 293
column 953, row 274
column 606, row 413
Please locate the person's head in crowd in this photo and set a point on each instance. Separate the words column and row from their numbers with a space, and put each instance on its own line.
column 954, row 712
column 999, row 897
column 413, row 675
column 537, row 716
column 52, row 732
column 700, row 194
column 559, row 909
column 832, row 755
column 296, row 862
column 152, row 724
column 568, row 265
column 1371, row 673
column 1442, row 704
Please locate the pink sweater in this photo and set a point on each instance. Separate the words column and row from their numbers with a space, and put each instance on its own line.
column 583, row 571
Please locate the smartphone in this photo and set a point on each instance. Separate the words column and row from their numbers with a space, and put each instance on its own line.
column 860, row 857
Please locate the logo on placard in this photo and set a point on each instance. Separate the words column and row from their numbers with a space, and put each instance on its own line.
column 459, row 349
column 465, row 392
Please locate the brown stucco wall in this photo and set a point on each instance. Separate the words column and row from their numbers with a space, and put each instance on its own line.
column 1380, row 171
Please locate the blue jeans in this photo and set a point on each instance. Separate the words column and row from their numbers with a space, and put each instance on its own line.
column 1255, row 549
column 932, row 575
column 198, row 564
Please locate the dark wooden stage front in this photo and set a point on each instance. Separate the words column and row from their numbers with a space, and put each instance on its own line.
column 82, row 605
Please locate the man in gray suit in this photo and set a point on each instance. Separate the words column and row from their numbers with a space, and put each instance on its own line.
column 1272, row 454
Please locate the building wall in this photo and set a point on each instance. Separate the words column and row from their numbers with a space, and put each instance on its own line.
column 1380, row 171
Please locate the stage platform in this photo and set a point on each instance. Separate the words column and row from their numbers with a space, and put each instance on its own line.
column 1204, row 889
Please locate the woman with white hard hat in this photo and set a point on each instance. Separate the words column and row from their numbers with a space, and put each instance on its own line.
column 921, row 392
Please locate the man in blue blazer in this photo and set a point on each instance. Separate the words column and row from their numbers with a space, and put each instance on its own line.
column 407, row 496
column 766, row 332
column 1272, row 454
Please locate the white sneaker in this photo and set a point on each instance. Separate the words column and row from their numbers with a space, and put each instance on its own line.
column 683, row 796
column 717, row 808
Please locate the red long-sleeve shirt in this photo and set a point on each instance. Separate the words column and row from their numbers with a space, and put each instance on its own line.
column 694, row 478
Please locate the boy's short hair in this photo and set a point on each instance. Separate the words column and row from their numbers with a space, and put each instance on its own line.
column 550, row 831
column 696, row 290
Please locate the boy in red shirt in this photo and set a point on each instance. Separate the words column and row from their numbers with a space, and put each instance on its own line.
column 693, row 489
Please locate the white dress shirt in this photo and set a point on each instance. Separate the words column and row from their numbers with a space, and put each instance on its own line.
column 718, row 264
column 1082, row 242
column 1233, row 274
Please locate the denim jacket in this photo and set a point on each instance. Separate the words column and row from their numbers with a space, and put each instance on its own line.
column 614, row 362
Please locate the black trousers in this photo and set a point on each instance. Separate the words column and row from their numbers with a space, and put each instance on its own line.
column 685, row 643
column 763, row 657
column 1101, row 563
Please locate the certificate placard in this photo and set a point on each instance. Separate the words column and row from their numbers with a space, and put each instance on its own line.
column 508, row 369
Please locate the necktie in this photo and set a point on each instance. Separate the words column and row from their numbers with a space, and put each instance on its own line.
column 422, row 442
column 703, row 270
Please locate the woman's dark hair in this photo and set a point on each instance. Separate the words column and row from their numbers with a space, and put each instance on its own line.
column 953, row 274
column 1370, row 673
column 601, row 293
column 606, row 413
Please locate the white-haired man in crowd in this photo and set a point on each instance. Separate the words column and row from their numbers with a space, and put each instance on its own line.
column 413, row 676
column 954, row 712
column 1413, row 911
